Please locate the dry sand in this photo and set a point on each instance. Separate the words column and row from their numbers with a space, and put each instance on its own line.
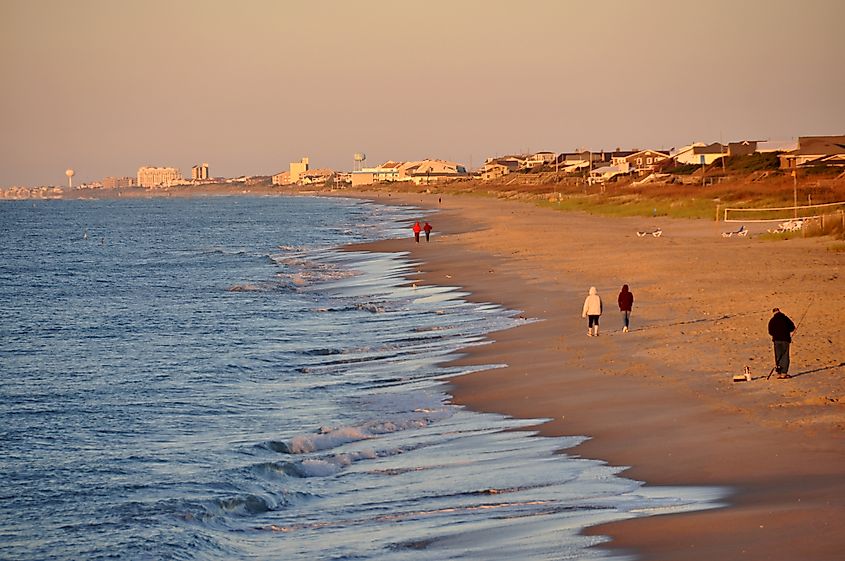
column 660, row 399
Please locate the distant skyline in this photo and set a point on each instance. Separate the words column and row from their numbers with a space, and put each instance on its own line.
column 106, row 87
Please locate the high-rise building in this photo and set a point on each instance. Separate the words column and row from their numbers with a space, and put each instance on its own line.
column 199, row 171
column 157, row 177
column 297, row 169
column 118, row 182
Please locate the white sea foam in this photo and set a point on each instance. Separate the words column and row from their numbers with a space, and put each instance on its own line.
column 333, row 437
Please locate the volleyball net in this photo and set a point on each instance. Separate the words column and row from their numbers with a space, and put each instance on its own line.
column 781, row 214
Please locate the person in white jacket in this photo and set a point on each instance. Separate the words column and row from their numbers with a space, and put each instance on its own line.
column 592, row 311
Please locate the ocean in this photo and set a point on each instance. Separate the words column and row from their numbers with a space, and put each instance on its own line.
column 212, row 378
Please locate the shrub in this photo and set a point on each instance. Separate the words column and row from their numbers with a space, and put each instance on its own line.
column 684, row 169
column 753, row 162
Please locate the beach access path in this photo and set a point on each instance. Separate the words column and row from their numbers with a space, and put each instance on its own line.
column 661, row 399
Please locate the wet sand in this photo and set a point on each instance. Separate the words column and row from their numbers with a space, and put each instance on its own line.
column 661, row 399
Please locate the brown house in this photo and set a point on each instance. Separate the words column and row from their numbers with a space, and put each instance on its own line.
column 812, row 149
column 646, row 160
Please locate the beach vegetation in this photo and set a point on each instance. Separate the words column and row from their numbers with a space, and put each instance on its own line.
column 757, row 186
column 768, row 161
column 684, row 169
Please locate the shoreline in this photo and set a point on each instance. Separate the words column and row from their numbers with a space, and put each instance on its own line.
column 660, row 399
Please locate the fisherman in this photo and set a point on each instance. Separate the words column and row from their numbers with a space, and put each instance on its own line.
column 781, row 329
column 592, row 311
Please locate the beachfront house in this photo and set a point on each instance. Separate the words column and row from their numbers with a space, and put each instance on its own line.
column 748, row 147
column 493, row 170
column 769, row 146
column 539, row 159
column 386, row 172
column 834, row 160
column 684, row 152
column 316, row 176
column 568, row 162
column 700, row 154
column 617, row 157
column 812, row 150
column 431, row 171
column 645, row 161
column 606, row 173
column 742, row 148
column 419, row 172
column 281, row 178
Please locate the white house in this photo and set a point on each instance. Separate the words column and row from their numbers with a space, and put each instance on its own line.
column 419, row 172
column 606, row 173
column 700, row 153
column 539, row 158
column 315, row 176
column 431, row 171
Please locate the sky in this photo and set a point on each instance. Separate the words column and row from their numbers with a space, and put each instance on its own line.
column 105, row 87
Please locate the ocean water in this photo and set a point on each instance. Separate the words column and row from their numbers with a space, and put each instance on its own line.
column 213, row 379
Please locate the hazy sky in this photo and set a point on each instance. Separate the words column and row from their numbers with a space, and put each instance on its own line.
column 108, row 86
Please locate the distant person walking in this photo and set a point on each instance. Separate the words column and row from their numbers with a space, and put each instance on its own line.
column 592, row 311
column 427, row 228
column 781, row 329
column 626, row 302
column 417, row 228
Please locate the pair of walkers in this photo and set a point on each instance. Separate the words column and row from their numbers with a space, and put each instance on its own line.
column 417, row 229
column 593, row 309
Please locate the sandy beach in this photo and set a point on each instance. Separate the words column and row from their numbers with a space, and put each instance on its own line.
column 660, row 399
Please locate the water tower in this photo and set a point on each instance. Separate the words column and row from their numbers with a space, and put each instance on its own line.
column 359, row 158
column 70, row 173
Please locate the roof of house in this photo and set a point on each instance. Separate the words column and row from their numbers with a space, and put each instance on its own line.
column 715, row 148
column 317, row 172
column 621, row 153
column 650, row 151
column 777, row 145
column 608, row 169
column 831, row 159
column 687, row 148
column 432, row 167
column 821, row 145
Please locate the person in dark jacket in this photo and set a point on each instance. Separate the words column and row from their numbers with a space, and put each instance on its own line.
column 427, row 229
column 626, row 302
column 781, row 329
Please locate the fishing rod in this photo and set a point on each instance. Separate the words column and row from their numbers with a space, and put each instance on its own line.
column 797, row 325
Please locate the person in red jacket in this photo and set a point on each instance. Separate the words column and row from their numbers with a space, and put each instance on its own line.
column 417, row 228
column 626, row 302
column 427, row 227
